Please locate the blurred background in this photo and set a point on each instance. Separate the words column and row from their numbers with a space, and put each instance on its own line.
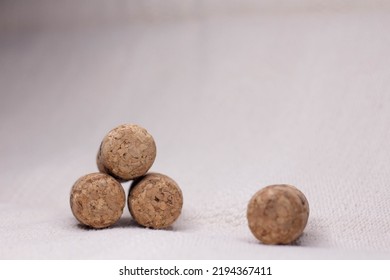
column 237, row 94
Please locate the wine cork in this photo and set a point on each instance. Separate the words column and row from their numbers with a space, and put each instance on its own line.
column 126, row 152
column 278, row 214
column 155, row 201
column 97, row 200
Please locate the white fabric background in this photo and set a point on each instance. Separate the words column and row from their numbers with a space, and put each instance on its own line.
column 237, row 97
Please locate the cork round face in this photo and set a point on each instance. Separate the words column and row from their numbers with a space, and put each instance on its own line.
column 278, row 214
column 155, row 201
column 126, row 152
column 97, row 200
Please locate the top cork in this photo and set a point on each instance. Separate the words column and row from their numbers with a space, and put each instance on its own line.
column 126, row 152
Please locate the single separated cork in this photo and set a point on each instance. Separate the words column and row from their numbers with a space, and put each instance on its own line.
column 97, row 200
column 155, row 201
column 278, row 214
column 126, row 152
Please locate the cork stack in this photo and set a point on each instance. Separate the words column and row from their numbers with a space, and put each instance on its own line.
column 126, row 153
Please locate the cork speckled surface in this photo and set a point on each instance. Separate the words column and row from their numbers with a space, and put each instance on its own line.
column 155, row 201
column 278, row 214
column 97, row 200
column 126, row 152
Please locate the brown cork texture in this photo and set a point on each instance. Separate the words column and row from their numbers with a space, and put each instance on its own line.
column 155, row 201
column 126, row 152
column 278, row 214
column 97, row 200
